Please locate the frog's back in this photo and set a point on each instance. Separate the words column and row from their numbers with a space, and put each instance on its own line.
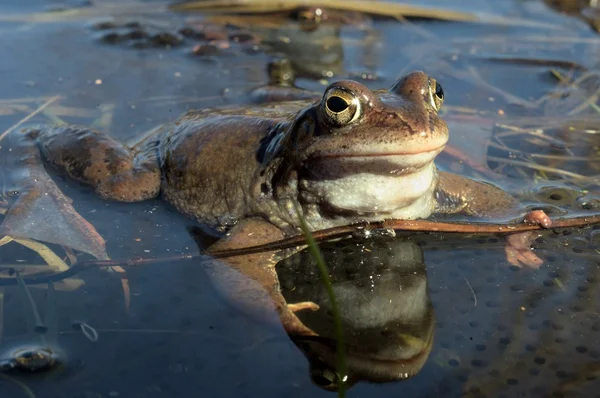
column 209, row 159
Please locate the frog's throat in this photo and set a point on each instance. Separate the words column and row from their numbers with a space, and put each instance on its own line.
column 377, row 196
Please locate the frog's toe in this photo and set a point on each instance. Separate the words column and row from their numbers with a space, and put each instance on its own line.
column 538, row 217
column 304, row 305
column 47, row 215
column 522, row 257
column 519, row 253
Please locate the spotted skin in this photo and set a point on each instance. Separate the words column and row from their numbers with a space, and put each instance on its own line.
column 352, row 155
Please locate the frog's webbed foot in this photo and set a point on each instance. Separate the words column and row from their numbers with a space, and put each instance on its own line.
column 43, row 213
column 518, row 250
column 518, row 246
column 250, row 282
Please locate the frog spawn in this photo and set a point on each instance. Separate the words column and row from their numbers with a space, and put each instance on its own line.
column 499, row 330
column 512, row 332
column 207, row 40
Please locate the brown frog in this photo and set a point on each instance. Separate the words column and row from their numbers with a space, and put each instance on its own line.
column 353, row 155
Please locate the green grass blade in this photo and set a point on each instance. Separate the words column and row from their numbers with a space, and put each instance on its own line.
column 337, row 320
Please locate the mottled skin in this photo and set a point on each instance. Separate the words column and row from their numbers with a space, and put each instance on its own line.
column 352, row 155
column 221, row 166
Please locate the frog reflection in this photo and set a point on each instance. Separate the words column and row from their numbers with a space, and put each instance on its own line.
column 314, row 48
column 281, row 85
column 381, row 291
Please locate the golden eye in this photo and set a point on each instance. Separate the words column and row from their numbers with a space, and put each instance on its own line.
column 341, row 107
column 436, row 94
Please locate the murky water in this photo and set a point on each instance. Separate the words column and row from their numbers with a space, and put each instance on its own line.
column 498, row 330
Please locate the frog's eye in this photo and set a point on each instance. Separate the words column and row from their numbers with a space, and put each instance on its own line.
column 341, row 107
column 436, row 94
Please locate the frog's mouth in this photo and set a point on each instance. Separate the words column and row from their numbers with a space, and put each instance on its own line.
column 381, row 163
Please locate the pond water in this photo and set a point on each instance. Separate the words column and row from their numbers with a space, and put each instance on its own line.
column 495, row 330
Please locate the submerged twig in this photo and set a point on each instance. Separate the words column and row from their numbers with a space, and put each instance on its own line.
column 540, row 167
column 322, row 235
column 34, row 319
column 409, row 225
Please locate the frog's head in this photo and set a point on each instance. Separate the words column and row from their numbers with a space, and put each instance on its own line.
column 363, row 151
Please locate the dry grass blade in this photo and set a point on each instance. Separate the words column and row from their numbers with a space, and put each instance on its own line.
column 539, row 167
column 380, row 8
column 70, row 255
column 1, row 315
column 50, row 315
column 374, row 7
column 124, row 285
column 47, row 255
column 23, row 100
column 35, row 323
column 25, row 269
column 53, row 261
column 28, row 117
column 104, row 122
column 100, row 10
column 71, row 111
column 11, row 109
column 26, row 390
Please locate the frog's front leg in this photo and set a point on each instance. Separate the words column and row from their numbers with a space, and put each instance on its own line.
column 456, row 194
column 95, row 159
column 250, row 282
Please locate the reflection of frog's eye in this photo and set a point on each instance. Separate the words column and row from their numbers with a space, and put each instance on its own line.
column 436, row 94
column 341, row 107
column 324, row 378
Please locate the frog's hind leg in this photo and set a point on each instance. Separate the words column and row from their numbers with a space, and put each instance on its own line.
column 93, row 158
column 41, row 211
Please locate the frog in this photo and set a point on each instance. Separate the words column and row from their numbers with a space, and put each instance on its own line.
column 354, row 154
column 251, row 175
